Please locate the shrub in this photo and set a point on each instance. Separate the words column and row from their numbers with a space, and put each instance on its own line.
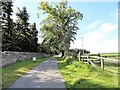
column 68, row 60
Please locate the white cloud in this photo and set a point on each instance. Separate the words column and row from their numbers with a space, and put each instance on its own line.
column 92, row 41
column 103, row 30
column 108, row 27
column 109, row 46
column 114, row 14
column 94, row 24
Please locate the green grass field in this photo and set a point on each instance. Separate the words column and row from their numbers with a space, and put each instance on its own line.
column 79, row 75
column 110, row 54
column 12, row 72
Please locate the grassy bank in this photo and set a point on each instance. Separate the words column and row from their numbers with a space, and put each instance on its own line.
column 79, row 75
column 12, row 72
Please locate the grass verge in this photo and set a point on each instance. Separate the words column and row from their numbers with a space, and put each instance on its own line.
column 12, row 72
column 79, row 75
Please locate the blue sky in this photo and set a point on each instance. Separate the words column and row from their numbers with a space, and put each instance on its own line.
column 99, row 27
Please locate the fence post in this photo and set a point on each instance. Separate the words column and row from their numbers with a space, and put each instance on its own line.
column 88, row 58
column 79, row 56
column 102, row 63
column 99, row 58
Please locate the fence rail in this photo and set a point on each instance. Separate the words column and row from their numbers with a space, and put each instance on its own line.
column 99, row 59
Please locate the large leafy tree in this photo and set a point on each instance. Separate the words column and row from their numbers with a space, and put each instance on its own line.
column 60, row 26
column 7, row 27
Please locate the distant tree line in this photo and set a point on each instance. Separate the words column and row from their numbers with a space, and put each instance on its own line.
column 18, row 35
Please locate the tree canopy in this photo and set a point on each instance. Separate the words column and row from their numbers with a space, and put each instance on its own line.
column 18, row 35
column 60, row 26
column 7, row 26
column 58, row 29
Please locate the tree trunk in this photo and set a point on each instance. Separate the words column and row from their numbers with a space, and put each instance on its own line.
column 62, row 51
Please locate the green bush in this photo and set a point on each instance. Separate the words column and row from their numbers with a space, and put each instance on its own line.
column 68, row 60
column 76, row 64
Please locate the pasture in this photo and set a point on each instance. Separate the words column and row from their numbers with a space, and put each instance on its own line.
column 80, row 75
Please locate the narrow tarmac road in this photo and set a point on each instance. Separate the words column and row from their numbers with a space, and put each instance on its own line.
column 45, row 75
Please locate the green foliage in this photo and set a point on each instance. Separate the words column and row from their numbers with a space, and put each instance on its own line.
column 7, row 26
column 33, row 38
column 67, row 53
column 60, row 26
column 80, row 75
column 12, row 72
column 23, row 29
column 45, row 49
column 18, row 35
column 68, row 60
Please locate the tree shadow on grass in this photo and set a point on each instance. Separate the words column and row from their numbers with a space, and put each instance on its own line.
column 86, row 84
